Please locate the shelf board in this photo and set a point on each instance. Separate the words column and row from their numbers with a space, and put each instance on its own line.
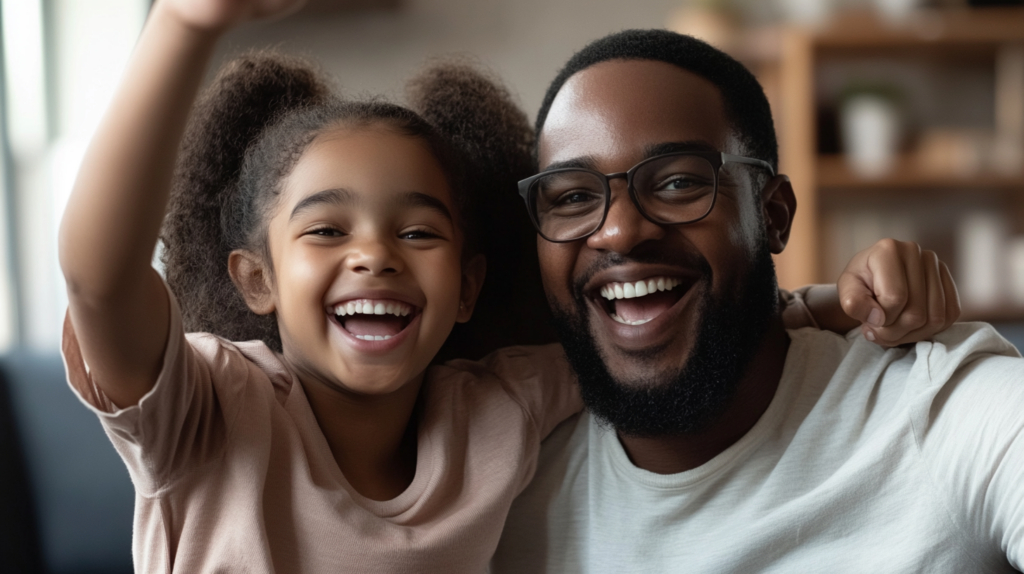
column 833, row 172
column 949, row 27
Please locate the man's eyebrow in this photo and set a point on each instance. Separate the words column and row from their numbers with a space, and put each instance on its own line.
column 417, row 199
column 676, row 147
column 337, row 196
column 584, row 162
column 588, row 162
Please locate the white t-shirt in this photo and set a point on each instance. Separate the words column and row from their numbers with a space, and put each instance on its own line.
column 867, row 460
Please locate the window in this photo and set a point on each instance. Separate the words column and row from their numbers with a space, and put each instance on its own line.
column 62, row 61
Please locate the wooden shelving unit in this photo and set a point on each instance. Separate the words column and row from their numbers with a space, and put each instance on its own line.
column 790, row 61
column 834, row 175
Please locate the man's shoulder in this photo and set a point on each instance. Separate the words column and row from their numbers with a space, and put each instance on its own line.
column 826, row 372
column 960, row 344
column 964, row 343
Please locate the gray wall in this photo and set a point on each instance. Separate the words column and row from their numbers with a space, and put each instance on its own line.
column 524, row 41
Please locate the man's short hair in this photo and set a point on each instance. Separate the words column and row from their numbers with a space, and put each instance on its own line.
column 746, row 106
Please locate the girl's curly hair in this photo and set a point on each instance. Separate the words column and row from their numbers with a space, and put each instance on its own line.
column 252, row 124
column 246, row 132
column 473, row 109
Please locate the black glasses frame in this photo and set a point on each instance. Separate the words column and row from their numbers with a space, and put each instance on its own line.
column 716, row 159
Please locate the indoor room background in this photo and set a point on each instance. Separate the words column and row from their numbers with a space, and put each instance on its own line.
column 896, row 118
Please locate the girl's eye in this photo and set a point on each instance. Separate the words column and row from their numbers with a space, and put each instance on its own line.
column 325, row 232
column 418, row 234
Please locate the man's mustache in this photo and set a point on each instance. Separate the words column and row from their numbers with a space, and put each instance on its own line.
column 686, row 260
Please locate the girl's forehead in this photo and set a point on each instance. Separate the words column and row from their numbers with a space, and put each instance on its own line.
column 370, row 163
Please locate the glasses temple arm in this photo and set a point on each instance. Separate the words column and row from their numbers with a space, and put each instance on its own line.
column 726, row 158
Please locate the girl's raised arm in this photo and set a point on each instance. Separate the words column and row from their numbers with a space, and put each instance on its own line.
column 117, row 302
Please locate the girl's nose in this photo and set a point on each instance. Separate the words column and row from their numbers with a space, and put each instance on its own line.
column 373, row 257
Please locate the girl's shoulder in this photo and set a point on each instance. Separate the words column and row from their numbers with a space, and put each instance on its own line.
column 243, row 362
column 536, row 379
column 512, row 366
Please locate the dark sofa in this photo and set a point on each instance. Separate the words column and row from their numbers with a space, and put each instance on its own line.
column 65, row 496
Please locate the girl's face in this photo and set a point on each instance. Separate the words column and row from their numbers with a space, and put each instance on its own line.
column 367, row 261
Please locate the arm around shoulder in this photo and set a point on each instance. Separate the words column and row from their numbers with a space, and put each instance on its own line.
column 540, row 379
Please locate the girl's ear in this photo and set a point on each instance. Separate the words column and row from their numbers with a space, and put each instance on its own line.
column 473, row 273
column 252, row 278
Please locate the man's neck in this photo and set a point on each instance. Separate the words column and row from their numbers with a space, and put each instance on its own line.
column 677, row 453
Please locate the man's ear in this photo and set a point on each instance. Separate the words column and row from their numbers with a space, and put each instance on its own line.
column 473, row 273
column 778, row 202
column 252, row 278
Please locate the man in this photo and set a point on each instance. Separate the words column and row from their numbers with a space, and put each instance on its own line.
column 715, row 440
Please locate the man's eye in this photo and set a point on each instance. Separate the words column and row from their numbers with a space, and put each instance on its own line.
column 676, row 183
column 575, row 197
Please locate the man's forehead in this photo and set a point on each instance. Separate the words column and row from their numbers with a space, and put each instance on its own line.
column 620, row 108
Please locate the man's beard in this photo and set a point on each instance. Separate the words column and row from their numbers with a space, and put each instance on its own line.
column 685, row 401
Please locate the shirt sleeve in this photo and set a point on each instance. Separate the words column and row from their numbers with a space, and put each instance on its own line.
column 795, row 314
column 971, row 438
column 538, row 378
column 183, row 420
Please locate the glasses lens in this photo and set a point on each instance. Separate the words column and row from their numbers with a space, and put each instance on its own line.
column 568, row 204
column 675, row 188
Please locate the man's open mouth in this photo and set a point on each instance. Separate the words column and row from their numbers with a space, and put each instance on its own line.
column 639, row 302
column 374, row 319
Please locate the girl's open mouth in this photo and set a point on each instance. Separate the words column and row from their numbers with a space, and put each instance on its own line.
column 374, row 319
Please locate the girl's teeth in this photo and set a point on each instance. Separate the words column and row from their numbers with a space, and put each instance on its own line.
column 639, row 288
column 373, row 337
column 372, row 308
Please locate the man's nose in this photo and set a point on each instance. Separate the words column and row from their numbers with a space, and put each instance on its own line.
column 373, row 256
column 624, row 227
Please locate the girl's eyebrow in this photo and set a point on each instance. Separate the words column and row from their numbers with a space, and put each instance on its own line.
column 341, row 196
column 337, row 196
column 417, row 199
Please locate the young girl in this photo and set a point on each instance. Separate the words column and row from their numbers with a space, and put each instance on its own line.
column 340, row 237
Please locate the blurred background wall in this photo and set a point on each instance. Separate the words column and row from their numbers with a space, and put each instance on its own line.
column 901, row 118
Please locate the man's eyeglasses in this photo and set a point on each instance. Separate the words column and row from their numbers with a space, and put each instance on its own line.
column 568, row 204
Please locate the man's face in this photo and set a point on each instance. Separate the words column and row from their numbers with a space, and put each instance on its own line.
column 609, row 117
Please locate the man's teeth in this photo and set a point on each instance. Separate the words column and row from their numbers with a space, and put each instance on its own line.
column 625, row 322
column 614, row 291
column 369, row 307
